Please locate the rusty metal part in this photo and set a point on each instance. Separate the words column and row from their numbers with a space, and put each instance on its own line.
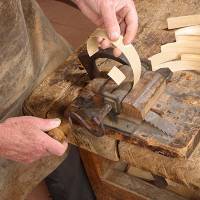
column 78, row 119
column 104, row 90
column 162, row 124
column 90, row 65
column 102, row 114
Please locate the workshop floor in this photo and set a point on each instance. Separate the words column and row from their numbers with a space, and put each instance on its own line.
column 75, row 28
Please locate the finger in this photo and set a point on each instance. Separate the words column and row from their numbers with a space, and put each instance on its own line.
column 99, row 39
column 110, row 20
column 105, row 44
column 131, row 20
column 54, row 147
column 123, row 28
column 89, row 13
column 117, row 52
column 42, row 124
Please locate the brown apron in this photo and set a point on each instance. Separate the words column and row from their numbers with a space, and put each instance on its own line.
column 29, row 50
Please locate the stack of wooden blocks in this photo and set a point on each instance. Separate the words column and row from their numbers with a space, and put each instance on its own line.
column 184, row 53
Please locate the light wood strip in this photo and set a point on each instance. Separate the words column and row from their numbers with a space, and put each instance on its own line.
column 179, row 65
column 163, row 57
column 183, row 21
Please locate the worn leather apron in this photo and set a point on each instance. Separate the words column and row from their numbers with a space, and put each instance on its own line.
column 29, row 50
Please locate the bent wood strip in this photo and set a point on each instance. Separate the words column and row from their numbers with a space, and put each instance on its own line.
column 128, row 50
column 183, row 21
column 163, row 57
column 179, row 65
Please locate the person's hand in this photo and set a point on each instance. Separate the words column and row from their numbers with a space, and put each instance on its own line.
column 116, row 16
column 23, row 139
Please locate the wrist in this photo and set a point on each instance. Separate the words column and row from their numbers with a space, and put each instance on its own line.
column 3, row 136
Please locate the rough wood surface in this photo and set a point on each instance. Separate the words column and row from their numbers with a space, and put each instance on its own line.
column 61, row 87
column 111, row 183
column 153, row 23
column 184, row 171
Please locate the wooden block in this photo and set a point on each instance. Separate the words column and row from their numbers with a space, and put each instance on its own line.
column 163, row 57
column 182, row 190
column 184, row 171
column 117, row 76
column 146, row 93
column 137, row 172
column 187, row 38
column 183, row 21
column 190, row 57
column 141, row 189
column 179, row 65
column 180, row 50
column 183, row 44
column 192, row 30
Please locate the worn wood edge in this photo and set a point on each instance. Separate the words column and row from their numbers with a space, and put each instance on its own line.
column 182, row 190
column 140, row 173
column 138, row 187
column 183, row 21
column 178, row 188
column 28, row 110
column 179, row 170
column 154, row 145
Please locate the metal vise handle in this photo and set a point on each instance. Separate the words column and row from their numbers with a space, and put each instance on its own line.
column 90, row 65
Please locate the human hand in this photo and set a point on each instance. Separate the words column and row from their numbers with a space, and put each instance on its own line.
column 23, row 139
column 116, row 16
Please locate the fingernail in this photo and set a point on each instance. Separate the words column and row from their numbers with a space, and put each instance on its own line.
column 56, row 122
column 114, row 35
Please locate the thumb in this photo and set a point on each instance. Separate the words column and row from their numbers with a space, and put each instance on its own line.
column 54, row 147
column 110, row 20
column 42, row 124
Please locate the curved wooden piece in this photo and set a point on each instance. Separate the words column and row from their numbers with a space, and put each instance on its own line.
column 128, row 50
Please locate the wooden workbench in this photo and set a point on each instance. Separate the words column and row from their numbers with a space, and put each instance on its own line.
column 108, row 161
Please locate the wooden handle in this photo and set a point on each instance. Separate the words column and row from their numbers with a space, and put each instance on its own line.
column 57, row 134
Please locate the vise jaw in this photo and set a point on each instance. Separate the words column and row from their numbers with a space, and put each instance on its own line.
column 102, row 103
